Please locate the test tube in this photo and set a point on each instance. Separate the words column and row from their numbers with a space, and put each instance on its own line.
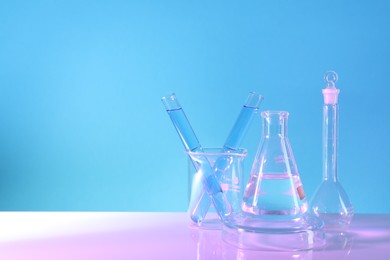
column 181, row 123
column 249, row 110
column 191, row 143
column 240, row 127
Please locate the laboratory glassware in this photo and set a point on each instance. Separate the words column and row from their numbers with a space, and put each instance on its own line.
column 181, row 123
column 248, row 111
column 274, row 212
column 330, row 201
column 190, row 141
column 274, row 186
column 227, row 166
column 243, row 121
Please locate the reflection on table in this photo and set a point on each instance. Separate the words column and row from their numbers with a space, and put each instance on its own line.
column 89, row 235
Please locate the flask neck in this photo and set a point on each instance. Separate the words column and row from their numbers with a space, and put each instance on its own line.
column 330, row 142
column 274, row 124
column 275, row 155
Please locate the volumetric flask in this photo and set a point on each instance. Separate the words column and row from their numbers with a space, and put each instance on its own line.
column 330, row 201
column 274, row 207
column 227, row 167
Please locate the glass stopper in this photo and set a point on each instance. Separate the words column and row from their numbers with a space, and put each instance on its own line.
column 331, row 78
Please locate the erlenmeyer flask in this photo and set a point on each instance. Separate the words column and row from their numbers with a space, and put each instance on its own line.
column 274, row 208
column 274, row 187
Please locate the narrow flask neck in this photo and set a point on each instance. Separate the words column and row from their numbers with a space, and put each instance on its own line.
column 275, row 124
column 330, row 142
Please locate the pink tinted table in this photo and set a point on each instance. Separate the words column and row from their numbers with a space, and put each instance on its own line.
column 90, row 235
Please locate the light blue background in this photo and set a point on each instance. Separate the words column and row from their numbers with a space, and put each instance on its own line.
column 82, row 126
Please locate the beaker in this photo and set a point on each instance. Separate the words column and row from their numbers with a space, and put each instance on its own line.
column 228, row 168
column 191, row 143
column 248, row 112
column 274, row 207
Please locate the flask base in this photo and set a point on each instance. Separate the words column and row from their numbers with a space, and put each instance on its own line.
column 274, row 233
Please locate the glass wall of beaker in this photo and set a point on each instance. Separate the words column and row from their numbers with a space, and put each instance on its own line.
column 228, row 167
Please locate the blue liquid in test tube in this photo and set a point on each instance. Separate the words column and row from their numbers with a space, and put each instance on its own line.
column 191, row 143
column 249, row 110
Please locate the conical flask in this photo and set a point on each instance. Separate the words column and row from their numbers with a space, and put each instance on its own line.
column 274, row 187
column 330, row 201
column 274, row 208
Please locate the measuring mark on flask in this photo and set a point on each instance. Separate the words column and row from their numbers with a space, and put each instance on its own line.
column 279, row 159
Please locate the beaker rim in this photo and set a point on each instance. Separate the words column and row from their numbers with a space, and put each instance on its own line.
column 281, row 113
column 210, row 151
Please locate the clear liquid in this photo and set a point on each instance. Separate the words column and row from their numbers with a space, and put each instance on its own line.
column 274, row 194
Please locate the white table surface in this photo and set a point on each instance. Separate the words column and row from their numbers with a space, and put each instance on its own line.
column 130, row 235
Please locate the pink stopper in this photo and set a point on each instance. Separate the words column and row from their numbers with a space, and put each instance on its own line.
column 331, row 93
